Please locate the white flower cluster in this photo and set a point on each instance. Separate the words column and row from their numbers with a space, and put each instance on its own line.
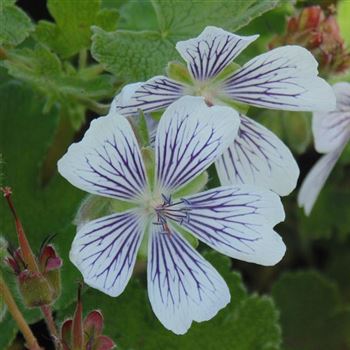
column 199, row 127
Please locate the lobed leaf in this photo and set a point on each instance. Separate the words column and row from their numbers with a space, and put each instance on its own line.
column 15, row 25
column 140, row 54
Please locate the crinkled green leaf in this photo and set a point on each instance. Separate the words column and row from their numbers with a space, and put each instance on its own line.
column 132, row 55
column 72, row 32
column 140, row 54
column 249, row 322
column 312, row 316
column 43, row 69
column 25, row 136
column 15, row 25
column 181, row 20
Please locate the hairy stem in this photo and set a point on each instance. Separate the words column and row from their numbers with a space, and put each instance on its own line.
column 51, row 325
column 29, row 337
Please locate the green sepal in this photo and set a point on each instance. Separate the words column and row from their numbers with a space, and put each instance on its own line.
column 238, row 106
column 226, row 72
column 149, row 161
column 35, row 289
column 194, row 186
column 143, row 250
column 143, row 130
column 187, row 235
column 179, row 72
column 53, row 277
column 94, row 207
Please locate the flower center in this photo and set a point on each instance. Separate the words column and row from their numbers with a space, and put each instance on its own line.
column 168, row 209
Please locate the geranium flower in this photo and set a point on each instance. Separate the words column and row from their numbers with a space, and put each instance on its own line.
column 235, row 220
column 332, row 133
column 284, row 78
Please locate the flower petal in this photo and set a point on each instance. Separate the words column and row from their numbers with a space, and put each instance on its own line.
column 104, row 250
column 316, row 178
column 182, row 286
column 209, row 53
column 190, row 137
column 156, row 93
column 107, row 161
column 258, row 157
column 332, row 129
column 237, row 221
column 283, row 78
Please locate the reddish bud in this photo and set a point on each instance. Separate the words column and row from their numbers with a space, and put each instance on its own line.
column 104, row 343
column 317, row 31
column 310, row 17
column 79, row 334
column 38, row 277
column 93, row 323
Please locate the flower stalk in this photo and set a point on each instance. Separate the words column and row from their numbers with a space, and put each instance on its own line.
column 5, row 292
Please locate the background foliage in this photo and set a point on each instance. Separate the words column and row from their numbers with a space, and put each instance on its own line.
column 60, row 67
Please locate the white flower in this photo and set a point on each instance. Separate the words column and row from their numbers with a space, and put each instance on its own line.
column 235, row 220
column 284, row 78
column 331, row 132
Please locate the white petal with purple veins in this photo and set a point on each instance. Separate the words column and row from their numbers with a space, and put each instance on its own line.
column 182, row 286
column 209, row 53
column 107, row 161
column 284, row 78
column 105, row 250
column 316, row 178
column 258, row 157
column 237, row 221
column 332, row 129
column 190, row 137
column 156, row 93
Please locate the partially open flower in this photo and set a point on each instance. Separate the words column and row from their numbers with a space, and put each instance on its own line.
column 38, row 277
column 79, row 334
column 319, row 32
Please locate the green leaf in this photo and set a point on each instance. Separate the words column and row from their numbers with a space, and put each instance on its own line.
column 343, row 15
column 15, row 25
column 71, row 32
column 73, row 89
column 140, row 54
column 132, row 55
column 181, row 20
column 249, row 322
column 312, row 316
column 25, row 136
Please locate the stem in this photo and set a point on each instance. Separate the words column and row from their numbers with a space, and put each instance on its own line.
column 63, row 137
column 3, row 54
column 82, row 58
column 51, row 325
column 31, row 341
column 99, row 108
column 77, row 326
column 27, row 252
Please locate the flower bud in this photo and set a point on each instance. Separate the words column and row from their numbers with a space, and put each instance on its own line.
column 79, row 334
column 317, row 31
column 38, row 277
column 34, row 288
column 50, row 265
